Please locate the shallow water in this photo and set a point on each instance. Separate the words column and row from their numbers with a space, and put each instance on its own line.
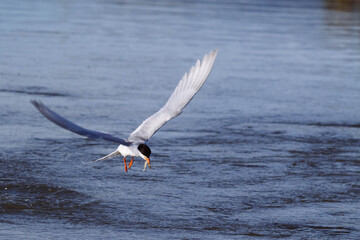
column 269, row 148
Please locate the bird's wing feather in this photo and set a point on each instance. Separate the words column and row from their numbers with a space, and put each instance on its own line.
column 188, row 86
column 64, row 123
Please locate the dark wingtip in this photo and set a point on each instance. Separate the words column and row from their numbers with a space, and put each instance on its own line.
column 38, row 104
column 35, row 102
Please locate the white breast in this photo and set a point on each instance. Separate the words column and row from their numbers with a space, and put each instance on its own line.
column 129, row 150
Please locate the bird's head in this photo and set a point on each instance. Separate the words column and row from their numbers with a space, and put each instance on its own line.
column 145, row 153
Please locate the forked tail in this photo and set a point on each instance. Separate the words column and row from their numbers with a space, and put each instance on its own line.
column 111, row 155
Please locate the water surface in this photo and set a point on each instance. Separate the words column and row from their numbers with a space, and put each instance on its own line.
column 269, row 148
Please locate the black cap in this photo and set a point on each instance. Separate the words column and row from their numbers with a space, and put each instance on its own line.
column 145, row 150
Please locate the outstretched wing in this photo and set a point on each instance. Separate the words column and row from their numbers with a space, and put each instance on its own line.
column 64, row 123
column 188, row 86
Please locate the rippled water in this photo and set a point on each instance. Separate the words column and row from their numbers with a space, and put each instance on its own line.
column 269, row 148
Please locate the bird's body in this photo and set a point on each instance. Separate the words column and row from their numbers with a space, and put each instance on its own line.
column 131, row 150
column 135, row 144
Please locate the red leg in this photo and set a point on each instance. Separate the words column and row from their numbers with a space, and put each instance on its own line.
column 125, row 164
column 131, row 162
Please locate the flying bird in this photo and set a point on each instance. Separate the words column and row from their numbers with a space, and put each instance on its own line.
column 135, row 144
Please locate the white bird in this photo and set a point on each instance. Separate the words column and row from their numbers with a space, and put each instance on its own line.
column 135, row 144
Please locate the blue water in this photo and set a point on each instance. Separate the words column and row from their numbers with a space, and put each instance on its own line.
column 269, row 148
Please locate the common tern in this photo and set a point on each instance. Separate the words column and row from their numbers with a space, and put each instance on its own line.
column 135, row 144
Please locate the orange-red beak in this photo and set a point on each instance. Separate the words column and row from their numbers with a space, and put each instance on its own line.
column 148, row 161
